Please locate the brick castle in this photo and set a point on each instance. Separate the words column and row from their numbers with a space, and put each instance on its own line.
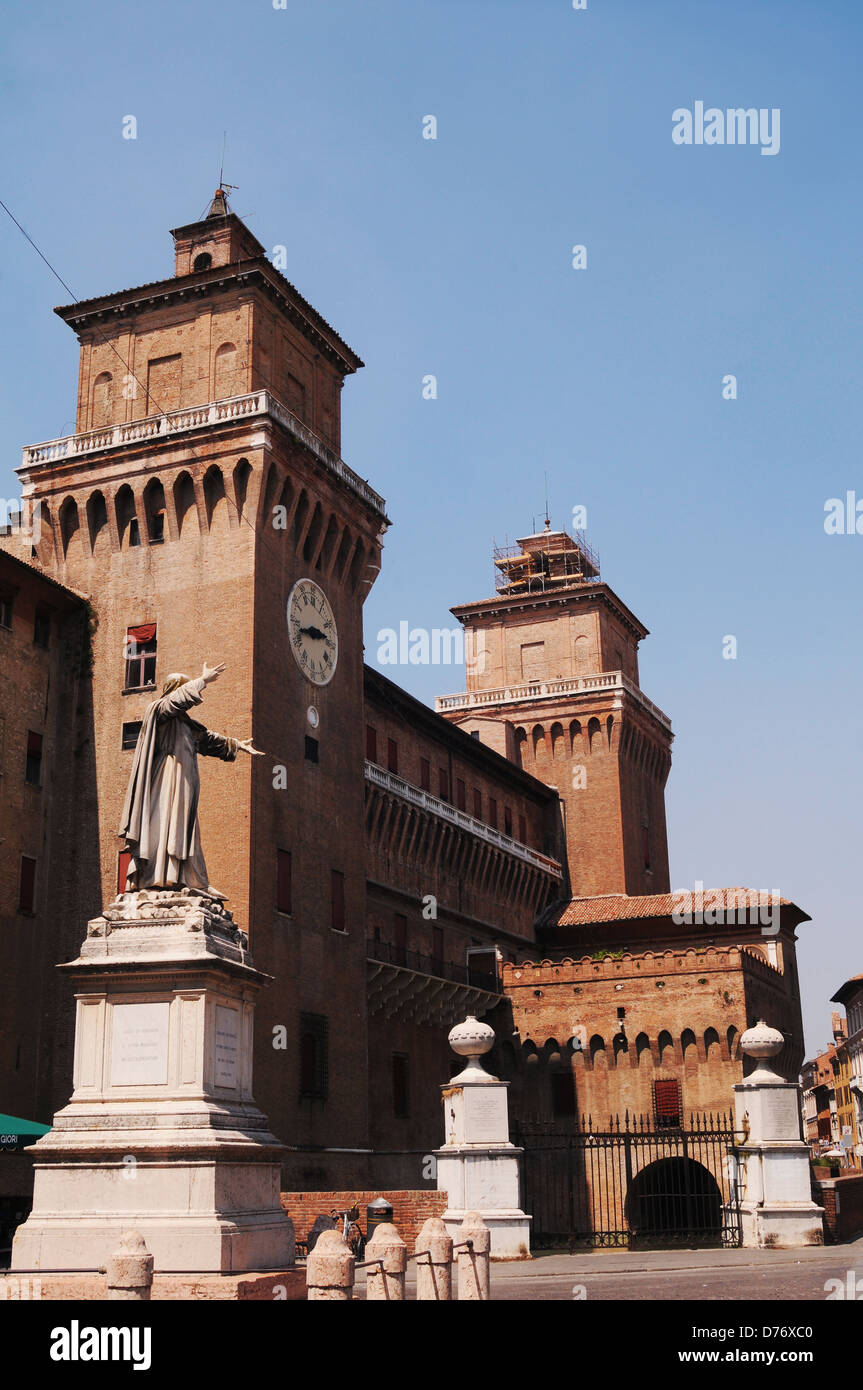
column 396, row 867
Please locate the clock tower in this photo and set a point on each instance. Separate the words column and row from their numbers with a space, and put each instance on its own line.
column 204, row 507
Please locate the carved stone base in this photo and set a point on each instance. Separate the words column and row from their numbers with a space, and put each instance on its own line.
column 161, row 1134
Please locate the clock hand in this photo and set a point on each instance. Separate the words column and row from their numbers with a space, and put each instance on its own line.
column 316, row 635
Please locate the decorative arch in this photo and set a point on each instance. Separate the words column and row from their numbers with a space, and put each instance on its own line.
column 557, row 749
column 593, row 736
column 576, row 742
column 358, row 564
column 300, row 513
column 154, row 511
column 711, row 1045
column 127, row 517
column 242, row 474
column 310, row 544
column 225, row 372
column 215, row 501
column 102, row 401
column 329, row 544
column 97, row 523
column 597, row 1048
column 184, row 503
column 666, row 1047
column 642, row 1045
column 731, row 1039
column 688, row 1047
column 343, row 553
column 69, row 524
column 537, row 735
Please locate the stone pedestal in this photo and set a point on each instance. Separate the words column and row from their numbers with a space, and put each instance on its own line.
column 478, row 1167
column 776, row 1207
column 161, row 1134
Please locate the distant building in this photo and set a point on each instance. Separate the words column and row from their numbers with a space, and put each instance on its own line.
column 850, row 996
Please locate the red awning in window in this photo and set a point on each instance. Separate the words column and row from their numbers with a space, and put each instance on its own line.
column 145, row 633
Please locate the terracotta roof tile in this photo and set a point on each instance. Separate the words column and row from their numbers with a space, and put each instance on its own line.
column 618, row 907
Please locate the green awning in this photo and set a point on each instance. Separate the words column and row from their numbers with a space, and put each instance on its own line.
column 10, row 1125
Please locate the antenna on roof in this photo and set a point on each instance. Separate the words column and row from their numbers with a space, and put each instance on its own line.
column 547, row 517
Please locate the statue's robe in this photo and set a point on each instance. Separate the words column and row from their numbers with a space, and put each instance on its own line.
column 160, row 814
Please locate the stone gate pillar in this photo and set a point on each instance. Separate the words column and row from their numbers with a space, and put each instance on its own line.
column 776, row 1204
column 478, row 1166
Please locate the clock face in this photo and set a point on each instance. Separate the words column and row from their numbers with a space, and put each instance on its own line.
column 312, row 632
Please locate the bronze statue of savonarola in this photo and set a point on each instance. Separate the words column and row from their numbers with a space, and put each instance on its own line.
column 160, row 813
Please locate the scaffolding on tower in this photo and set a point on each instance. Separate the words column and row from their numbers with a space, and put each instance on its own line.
column 545, row 563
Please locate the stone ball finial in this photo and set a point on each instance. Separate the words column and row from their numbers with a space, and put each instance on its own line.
column 471, row 1038
column 762, row 1041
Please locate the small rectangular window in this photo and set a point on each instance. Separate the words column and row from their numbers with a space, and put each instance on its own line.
column 474, row 733
column 460, row 795
column 482, row 970
column 666, row 1104
column 443, row 784
column 5, row 610
column 33, row 768
column 371, row 744
column 130, row 733
column 400, row 942
column 477, row 803
column 492, row 812
column 284, row 884
column 337, row 900
column 425, row 775
column 140, row 656
column 507, row 821
column 392, row 755
column 314, row 1057
column 562, row 1094
column 27, row 884
column 401, row 1108
column 42, row 627
column 311, row 749
column 437, row 951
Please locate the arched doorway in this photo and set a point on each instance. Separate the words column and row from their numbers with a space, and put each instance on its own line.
column 674, row 1200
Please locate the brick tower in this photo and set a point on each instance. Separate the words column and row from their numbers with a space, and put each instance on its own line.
column 204, row 508
column 552, row 683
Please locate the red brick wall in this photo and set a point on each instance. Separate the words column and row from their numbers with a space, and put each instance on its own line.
column 410, row 1209
column 842, row 1200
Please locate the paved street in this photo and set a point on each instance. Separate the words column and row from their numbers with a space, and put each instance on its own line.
column 759, row 1275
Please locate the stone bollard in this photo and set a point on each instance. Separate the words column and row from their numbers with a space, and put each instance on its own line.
column 130, row 1269
column 330, row 1269
column 386, row 1281
column 434, row 1261
column 473, row 1264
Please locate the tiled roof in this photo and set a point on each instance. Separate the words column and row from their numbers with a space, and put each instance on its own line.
column 618, row 907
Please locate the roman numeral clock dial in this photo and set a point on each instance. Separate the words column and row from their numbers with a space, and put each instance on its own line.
column 312, row 632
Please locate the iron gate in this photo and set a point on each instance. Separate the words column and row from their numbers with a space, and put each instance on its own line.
column 634, row 1183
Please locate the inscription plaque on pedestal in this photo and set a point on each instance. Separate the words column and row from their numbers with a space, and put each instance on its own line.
column 485, row 1114
column 227, row 1045
column 139, row 1044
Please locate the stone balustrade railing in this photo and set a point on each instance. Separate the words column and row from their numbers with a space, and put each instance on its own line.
column 255, row 404
column 388, row 781
column 533, row 691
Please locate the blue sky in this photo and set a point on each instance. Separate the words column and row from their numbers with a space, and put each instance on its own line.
column 453, row 257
